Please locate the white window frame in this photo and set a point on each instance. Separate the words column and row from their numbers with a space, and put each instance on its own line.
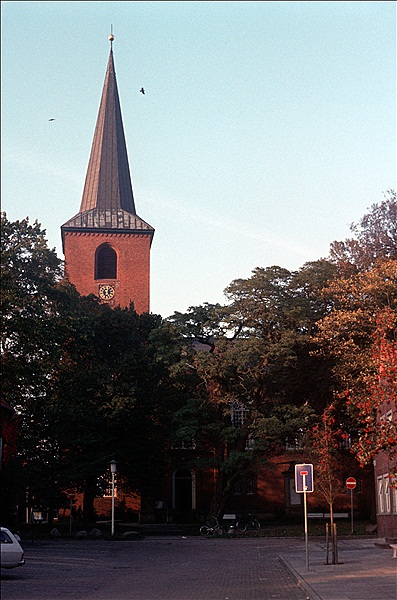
column 238, row 414
column 380, row 495
column 249, row 442
column 386, row 488
column 383, row 490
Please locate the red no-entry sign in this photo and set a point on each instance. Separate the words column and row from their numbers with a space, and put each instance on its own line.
column 351, row 483
column 303, row 478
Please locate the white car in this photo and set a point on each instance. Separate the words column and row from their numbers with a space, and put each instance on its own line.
column 11, row 550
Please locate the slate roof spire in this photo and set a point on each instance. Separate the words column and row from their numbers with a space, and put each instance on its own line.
column 108, row 181
column 108, row 200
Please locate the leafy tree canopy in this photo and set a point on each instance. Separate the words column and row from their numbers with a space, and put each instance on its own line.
column 89, row 383
column 375, row 237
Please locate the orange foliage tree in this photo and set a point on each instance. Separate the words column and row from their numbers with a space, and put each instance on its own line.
column 377, row 409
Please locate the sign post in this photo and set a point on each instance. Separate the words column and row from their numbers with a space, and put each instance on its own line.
column 113, row 470
column 71, row 497
column 304, row 484
column 351, row 484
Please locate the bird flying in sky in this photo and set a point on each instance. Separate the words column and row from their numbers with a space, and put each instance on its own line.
column 142, row 91
column 51, row 119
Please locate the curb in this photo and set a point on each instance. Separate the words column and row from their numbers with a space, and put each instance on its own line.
column 302, row 583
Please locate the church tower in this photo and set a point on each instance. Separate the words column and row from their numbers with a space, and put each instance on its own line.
column 107, row 245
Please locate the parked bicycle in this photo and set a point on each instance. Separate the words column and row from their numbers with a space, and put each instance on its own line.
column 251, row 523
column 212, row 527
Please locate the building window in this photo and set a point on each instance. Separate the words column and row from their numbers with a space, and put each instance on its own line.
column 295, row 498
column 250, row 484
column 105, row 263
column 346, row 442
column 183, row 490
column 238, row 414
column 296, row 442
column 387, row 494
column 384, row 503
column 238, row 487
column 183, row 445
column 380, row 495
column 386, row 418
column 246, row 485
column 249, row 442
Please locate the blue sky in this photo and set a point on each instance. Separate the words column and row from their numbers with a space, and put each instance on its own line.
column 266, row 129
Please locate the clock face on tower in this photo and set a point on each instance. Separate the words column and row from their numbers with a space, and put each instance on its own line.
column 106, row 292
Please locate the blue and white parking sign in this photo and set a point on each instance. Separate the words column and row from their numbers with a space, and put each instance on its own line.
column 303, row 478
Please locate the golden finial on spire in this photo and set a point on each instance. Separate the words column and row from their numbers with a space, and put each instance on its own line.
column 111, row 36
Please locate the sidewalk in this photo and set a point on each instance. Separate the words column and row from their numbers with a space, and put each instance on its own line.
column 364, row 571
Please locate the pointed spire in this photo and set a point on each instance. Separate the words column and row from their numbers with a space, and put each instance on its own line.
column 108, row 200
column 108, row 182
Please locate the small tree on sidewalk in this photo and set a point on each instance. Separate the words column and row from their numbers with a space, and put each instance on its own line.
column 323, row 449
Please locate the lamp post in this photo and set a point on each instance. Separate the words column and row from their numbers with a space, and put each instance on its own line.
column 113, row 469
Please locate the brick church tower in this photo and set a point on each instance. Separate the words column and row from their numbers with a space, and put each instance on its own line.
column 107, row 245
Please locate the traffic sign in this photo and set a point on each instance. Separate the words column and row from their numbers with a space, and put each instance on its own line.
column 351, row 483
column 303, row 478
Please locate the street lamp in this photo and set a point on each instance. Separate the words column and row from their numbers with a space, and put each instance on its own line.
column 113, row 469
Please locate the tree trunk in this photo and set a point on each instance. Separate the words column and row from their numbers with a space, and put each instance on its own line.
column 89, row 515
column 218, row 499
column 51, row 510
column 333, row 534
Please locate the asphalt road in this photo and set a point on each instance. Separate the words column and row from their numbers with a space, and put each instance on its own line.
column 154, row 568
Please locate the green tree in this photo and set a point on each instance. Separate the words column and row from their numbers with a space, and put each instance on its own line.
column 29, row 273
column 29, row 346
column 375, row 237
column 109, row 400
column 89, row 383
column 251, row 392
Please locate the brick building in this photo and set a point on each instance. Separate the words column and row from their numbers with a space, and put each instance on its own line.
column 106, row 244
column 107, row 253
column 386, row 494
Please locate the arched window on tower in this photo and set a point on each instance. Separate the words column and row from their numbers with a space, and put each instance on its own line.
column 105, row 262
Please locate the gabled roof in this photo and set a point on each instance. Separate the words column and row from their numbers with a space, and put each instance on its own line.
column 108, row 200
